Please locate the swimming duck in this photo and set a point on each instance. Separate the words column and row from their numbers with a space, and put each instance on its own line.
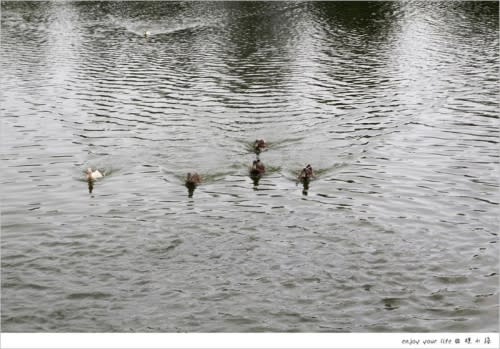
column 256, row 172
column 259, row 145
column 305, row 177
column 306, row 174
column 147, row 33
column 257, row 169
column 192, row 181
column 93, row 175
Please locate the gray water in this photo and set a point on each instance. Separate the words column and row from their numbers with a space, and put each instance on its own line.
column 394, row 104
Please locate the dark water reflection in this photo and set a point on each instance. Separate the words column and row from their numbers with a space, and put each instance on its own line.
column 393, row 103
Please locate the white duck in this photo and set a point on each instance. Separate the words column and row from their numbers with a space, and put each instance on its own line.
column 93, row 175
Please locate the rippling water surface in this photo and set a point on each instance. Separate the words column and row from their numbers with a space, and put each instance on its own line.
column 394, row 104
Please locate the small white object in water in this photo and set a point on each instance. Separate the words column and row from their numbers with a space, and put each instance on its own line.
column 93, row 175
column 147, row 33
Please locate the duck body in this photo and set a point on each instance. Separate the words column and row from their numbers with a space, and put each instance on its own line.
column 192, row 181
column 256, row 172
column 306, row 174
column 93, row 175
column 257, row 169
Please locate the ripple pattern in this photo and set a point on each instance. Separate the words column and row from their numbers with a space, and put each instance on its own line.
column 395, row 104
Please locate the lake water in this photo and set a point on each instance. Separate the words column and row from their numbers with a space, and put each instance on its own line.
column 394, row 104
